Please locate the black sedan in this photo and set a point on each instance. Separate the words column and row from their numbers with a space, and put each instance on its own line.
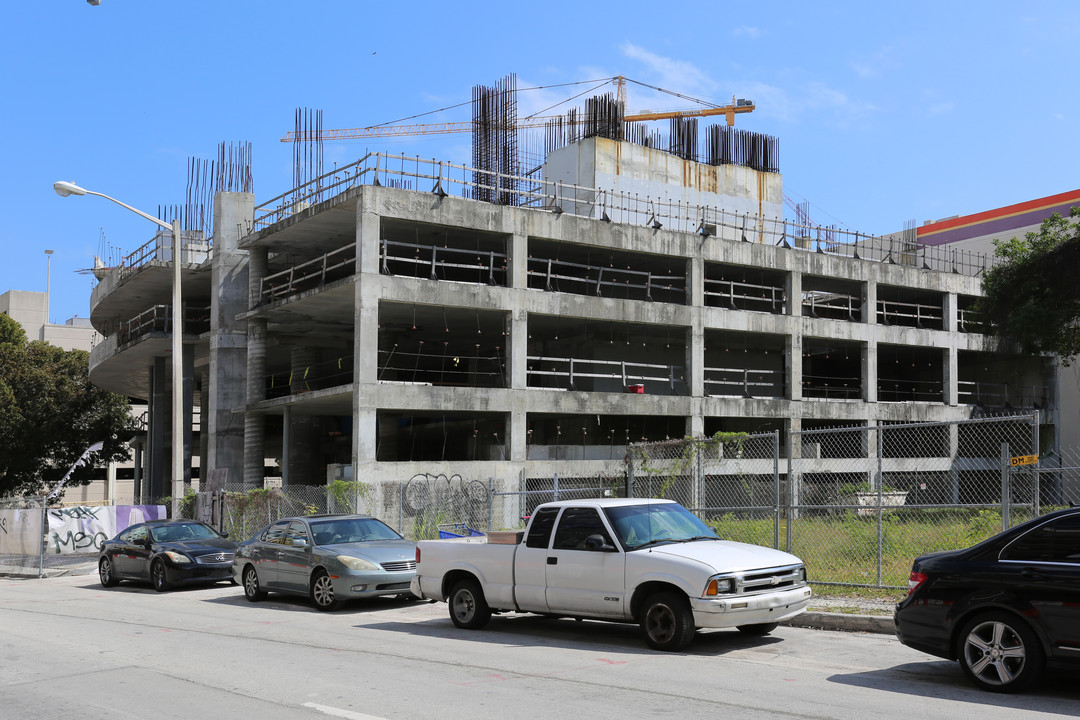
column 167, row 553
column 1003, row 608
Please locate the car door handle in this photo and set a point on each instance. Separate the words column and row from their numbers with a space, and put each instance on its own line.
column 1032, row 574
column 553, row 561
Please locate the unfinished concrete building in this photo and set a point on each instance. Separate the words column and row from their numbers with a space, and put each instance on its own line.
column 400, row 316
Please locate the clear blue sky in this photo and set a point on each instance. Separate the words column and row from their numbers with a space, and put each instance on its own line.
column 885, row 112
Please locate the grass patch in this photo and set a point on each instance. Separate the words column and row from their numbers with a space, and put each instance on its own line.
column 844, row 547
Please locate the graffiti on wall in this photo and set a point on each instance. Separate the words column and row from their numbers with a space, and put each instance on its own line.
column 83, row 529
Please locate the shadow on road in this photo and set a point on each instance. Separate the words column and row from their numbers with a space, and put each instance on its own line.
column 943, row 679
column 540, row 631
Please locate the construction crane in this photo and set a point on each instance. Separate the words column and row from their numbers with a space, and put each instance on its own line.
column 737, row 106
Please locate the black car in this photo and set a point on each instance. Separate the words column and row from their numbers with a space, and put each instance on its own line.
column 167, row 553
column 1003, row 608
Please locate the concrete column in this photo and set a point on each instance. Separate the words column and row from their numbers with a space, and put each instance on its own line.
column 950, row 368
column 230, row 290
column 254, row 422
column 950, row 312
column 518, row 430
column 518, row 272
column 204, row 431
column 869, row 309
column 793, row 290
column 188, row 368
column 157, row 419
column 870, row 372
column 257, row 269
column 695, row 338
column 138, row 487
column 517, row 348
column 301, row 443
column 366, row 334
column 950, row 376
column 793, row 366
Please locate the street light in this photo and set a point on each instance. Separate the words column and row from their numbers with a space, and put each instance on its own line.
column 48, row 283
column 63, row 189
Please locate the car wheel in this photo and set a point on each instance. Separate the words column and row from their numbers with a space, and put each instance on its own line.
column 468, row 608
column 758, row 629
column 322, row 591
column 252, row 590
column 159, row 577
column 1000, row 653
column 667, row 622
column 105, row 572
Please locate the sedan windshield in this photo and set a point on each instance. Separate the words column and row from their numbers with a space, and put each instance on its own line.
column 656, row 524
column 351, row 530
column 181, row 532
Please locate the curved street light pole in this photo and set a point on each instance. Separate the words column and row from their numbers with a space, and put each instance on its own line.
column 63, row 189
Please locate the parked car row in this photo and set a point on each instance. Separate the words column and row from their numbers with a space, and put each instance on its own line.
column 1005, row 608
column 328, row 558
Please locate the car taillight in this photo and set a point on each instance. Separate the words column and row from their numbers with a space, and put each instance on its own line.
column 417, row 555
column 914, row 581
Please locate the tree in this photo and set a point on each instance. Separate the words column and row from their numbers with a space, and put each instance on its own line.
column 1032, row 295
column 50, row 414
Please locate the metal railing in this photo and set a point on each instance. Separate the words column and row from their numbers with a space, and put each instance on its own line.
column 445, row 178
column 568, row 373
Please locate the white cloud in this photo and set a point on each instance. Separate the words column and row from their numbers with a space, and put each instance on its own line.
column 747, row 31
column 671, row 74
column 940, row 108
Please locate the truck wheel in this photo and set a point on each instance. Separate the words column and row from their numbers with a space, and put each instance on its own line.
column 758, row 628
column 468, row 609
column 667, row 622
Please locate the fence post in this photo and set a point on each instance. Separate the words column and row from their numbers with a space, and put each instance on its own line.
column 491, row 503
column 776, row 489
column 880, row 481
column 1036, row 499
column 790, row 494
column 555, row 487
column 1005, row 492
column 629, row 472
column 44, row 536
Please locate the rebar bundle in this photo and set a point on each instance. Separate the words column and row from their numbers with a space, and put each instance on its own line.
column 683, row 138
column 234, row 168
column 604, row 117
column 731, row 146
column 308, row 151
column 495, row 142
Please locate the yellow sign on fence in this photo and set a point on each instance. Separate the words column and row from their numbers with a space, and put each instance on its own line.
column 1019, row 460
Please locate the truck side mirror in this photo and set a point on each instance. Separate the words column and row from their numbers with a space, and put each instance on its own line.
column 598, row 543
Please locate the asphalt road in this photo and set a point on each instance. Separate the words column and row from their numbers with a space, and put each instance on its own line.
column 72, row 648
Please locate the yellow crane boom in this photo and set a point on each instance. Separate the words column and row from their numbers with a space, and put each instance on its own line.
column 382, row 131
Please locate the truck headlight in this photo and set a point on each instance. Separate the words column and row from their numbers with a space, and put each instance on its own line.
column 719, row 586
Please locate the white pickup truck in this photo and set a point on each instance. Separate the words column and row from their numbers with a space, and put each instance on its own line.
column 652, row 562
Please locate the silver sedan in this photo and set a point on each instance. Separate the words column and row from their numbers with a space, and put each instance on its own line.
column 328, row 558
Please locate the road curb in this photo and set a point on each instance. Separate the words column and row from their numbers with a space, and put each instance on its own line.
column 844, row 621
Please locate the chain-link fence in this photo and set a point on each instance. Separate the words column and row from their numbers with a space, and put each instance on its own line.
column 22, row 535
column 858, row 503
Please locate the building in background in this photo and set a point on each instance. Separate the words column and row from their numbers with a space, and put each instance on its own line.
column 977, row 233
column 400, row 316
column 30, row 309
